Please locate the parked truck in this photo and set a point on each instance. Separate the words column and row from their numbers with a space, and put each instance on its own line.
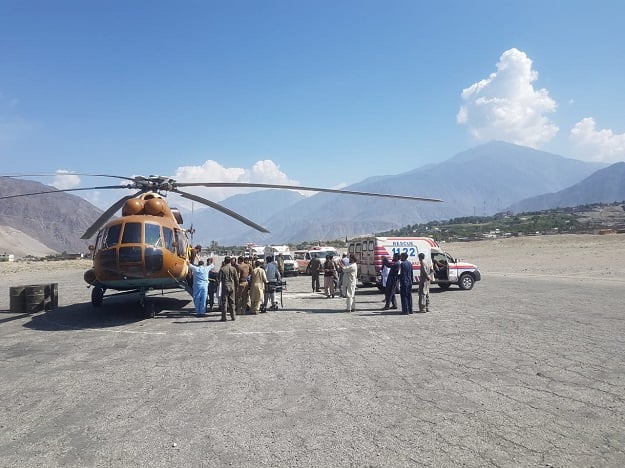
column 290, row 266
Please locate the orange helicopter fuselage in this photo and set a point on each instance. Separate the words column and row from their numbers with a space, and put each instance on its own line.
column 146, row 248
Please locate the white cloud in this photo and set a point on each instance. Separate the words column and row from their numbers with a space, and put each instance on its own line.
column 64, row 180
column 505, row 106
column 263, row 172
column 597, row 145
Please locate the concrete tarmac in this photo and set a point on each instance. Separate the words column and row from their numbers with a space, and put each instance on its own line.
column 523, row 371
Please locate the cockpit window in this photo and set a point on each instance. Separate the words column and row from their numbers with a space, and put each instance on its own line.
column 132, row 233
column 153, row 235
column 111, row 237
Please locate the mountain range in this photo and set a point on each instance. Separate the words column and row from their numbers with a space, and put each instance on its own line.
column 489, row 178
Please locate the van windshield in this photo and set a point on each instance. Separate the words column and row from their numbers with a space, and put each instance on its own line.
column 323, row 253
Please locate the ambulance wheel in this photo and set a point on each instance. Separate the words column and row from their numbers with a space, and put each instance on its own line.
column 466, row 282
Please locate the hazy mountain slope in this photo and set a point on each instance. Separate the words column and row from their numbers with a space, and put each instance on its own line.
column 481, row 181
column 604, row 186
column 56, row 220
column 20, row 245
column 210, row 224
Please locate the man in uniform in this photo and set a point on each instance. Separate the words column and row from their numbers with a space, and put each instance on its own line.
column 243, row 289
column 229, row 278
column 425, row 276
column 315, row 267
column 405, row 284
column 390, row 289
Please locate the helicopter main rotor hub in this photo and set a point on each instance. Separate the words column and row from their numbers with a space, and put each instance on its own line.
column 158, row 184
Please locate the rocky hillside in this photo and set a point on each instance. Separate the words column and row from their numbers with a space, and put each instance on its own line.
column 56, row 220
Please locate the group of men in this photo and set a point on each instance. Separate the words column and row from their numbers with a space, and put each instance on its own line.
column 241, row 282
column 239, row 285
column 397, row 273
column 340, row 276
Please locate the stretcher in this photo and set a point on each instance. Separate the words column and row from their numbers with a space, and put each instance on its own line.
column 273, row 287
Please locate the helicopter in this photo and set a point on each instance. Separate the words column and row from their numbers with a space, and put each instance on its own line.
column 146, row 248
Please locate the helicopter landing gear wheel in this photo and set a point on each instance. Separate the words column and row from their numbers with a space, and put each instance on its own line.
column 97, row 296
column 149, row 309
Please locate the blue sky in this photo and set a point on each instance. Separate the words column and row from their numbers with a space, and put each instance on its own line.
column 321, row 93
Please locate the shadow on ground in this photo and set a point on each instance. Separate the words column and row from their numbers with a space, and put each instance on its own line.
column 115, row 312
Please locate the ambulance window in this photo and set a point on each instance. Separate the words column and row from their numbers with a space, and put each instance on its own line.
column 358, row 247
column 370, row 246
column 132, row 233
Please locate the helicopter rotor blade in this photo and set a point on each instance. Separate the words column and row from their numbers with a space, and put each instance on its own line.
column 104, row 217
column 308, row 189
column 44, row 192
column 55, row 174
column 222, row 209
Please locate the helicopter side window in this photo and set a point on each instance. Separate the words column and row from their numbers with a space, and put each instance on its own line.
column 153, row 235
column 111, row 237
column 98, row 240
column 132, row 233
column 168, row 234
column 181, row 243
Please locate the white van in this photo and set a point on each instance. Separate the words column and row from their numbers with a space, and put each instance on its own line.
column 369, row 252
column 302, row 257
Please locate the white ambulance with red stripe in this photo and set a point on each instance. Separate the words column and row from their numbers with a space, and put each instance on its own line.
column 448, row 270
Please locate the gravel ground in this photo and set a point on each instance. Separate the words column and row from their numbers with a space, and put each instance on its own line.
column 524, row 370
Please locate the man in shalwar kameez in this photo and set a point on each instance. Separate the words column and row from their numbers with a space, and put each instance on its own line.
column 200, row 287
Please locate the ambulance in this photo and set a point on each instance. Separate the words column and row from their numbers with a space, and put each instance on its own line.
column 303, row 257
column 369, row 252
